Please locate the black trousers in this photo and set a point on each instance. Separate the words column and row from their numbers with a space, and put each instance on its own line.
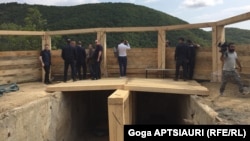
column 81, row 70
column 190, row 68
column 122, row 65
column 47, row 72
column 97, row 70
column 66, row 67
column 183, row 64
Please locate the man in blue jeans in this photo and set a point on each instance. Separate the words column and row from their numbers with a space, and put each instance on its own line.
column 122, row 57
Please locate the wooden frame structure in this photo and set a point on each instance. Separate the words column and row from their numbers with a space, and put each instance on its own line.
column 218, row 35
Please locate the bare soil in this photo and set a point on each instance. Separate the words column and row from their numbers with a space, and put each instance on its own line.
column 232, row 108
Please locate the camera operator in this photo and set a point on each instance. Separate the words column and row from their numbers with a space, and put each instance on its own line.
column 122, row 57
column 229, row 60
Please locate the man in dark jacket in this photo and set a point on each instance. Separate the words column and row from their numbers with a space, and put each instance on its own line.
column 45, row 58
column 81, row 61
column 181, row 59
column 192, row 58
column 97, row 56
column 69, row 57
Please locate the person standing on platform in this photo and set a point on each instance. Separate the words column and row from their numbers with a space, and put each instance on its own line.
column 97, row 56
column 192, row 48
column 181, row 59
column 69, row 57
column 45, row 58
column 90, row 60
column 81, row 66
column 122, row 57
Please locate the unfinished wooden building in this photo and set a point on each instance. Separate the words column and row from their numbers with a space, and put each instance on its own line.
column 117, row 101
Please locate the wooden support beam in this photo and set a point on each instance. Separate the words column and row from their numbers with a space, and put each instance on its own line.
column 119, row 113
column 189, row 26
column 131, row 29
column 235, row 19
column 75, row 31
column 161, row 49
column 102, row 37
column 25, row 33
column 46, row 39
column 218, row 35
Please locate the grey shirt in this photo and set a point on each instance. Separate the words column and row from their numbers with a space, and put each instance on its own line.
column 230, row 61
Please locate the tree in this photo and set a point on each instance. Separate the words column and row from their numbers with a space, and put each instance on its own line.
column 34, row 20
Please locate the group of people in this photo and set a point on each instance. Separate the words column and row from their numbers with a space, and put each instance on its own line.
column 185, row 53
column 75, row 56
column 185, row 57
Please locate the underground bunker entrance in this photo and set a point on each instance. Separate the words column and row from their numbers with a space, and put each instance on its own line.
column 89, row 114
column 160, row 108
column 89, row 111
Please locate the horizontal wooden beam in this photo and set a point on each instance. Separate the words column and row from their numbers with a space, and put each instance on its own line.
column 189, row 26
column 131, row 29
column 9, row 32
column 235, row 19
column 75, row 31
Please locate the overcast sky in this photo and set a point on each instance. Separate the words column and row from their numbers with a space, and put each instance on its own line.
column 192, row 11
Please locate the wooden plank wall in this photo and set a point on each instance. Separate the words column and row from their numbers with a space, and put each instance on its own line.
column 19, row 66
column 24, row 66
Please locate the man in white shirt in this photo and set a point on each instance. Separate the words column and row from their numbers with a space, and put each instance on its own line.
column 229, row 60
column 122, row 57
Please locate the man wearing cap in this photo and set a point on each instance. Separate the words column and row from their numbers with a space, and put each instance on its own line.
column 81, row 67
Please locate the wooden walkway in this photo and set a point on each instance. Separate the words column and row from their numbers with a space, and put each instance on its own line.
column 167, row 86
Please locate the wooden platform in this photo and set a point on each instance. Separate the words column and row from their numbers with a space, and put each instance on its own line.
column 133, row 84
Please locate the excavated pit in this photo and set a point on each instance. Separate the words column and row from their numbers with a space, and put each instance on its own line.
column 83, row 115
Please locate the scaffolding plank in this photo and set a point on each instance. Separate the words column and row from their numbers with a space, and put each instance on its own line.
column 87, row 85
column 167, row 86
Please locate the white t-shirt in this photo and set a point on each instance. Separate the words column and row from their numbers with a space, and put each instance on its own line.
column 230, row 61
column 122, row 49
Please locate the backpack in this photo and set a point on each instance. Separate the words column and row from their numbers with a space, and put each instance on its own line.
column 116, row 53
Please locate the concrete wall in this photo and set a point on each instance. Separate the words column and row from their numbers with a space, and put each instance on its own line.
column 198, row 113
column 47, row 119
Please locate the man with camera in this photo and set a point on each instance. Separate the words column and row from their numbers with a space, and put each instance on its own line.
column 122, row 57
column 229, row 60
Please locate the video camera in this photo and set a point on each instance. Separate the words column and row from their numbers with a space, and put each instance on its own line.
column 223, row 47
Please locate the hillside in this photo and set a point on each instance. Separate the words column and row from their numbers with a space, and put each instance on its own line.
column 238, row 36
column 104, row 15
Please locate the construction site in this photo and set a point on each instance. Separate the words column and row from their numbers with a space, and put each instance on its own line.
column 88, row 110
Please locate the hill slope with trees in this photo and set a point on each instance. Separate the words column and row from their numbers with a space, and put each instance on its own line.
column 14, row 16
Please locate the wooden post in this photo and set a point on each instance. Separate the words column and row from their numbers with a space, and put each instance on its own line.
column 120, row 113
column 218, row 35
column 46, row 39
column 102, row 37
column 161, row 49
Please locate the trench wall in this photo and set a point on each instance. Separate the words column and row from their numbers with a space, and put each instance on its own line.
column 46, row 119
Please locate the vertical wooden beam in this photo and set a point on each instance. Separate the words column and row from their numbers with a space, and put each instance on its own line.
column 102, row 37
column 218, row 35
column 161, row 49
column 46, row 39
column 119, row 113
